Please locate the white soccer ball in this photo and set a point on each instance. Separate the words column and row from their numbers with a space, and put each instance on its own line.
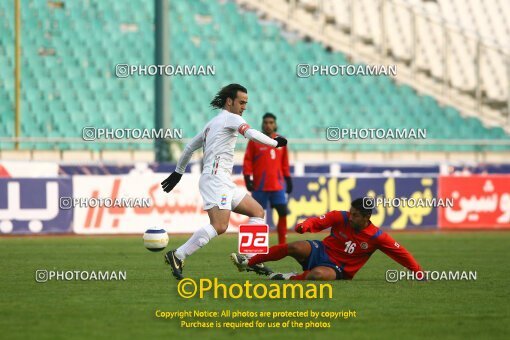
column 155, row 239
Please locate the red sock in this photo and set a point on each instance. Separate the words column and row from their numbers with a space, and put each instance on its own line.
column 301, row 276
column 275, row 253
column 282, row 230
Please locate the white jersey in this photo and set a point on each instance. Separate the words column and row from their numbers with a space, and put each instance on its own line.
column 218, row 139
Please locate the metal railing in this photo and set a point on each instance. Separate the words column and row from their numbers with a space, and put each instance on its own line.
column 475, row 101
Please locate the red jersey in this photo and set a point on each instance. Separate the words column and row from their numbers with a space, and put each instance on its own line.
column 268, row 166
column 349, row 249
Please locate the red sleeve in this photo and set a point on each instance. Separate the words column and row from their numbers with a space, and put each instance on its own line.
column 316, row 224
column 285, row 162
column 398, row 253
column 248, row 156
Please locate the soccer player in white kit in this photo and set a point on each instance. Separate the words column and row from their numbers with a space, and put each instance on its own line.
column 220, row 195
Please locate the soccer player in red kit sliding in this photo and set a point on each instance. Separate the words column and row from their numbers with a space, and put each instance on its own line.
column 351, row 242
column 270, row 168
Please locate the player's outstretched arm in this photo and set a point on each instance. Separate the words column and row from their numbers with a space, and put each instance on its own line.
column 316, row 224
column 259, row 137
column 171, row 181
column 236, row 122
column 397, row 252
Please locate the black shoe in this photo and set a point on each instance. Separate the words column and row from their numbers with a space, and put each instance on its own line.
column 240, row 261
column 175, row 264
column 259, row 269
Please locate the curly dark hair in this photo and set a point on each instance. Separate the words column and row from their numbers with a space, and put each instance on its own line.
column 229, row 91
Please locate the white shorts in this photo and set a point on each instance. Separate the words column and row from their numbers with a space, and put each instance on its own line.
column 218, row 190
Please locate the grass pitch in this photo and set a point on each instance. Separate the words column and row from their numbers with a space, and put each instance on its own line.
column 122, row 309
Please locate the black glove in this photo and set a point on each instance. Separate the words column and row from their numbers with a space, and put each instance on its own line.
column 288, row 181
column 171, row 181
column 249, row 183
column 281, row 141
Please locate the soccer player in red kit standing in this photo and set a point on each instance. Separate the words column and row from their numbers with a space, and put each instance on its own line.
column 270, row 168
column 351, row 242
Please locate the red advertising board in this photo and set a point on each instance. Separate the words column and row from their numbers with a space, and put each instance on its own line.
column 479, row 201
column 253, row 239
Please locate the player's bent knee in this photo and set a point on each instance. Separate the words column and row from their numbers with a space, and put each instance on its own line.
column 316, row 276
column 293, row 248
column 321, row 275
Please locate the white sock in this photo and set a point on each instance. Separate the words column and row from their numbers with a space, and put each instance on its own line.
column 199, row 239
column 254, row 220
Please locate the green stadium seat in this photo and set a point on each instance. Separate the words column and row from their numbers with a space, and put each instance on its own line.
column 77, row 86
